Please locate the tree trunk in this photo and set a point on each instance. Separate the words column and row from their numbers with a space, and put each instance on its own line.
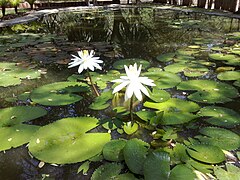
column 31, row 5
column 233, row 6
column 3, row 10
column 210, row 2
column 16, row 9
column 187, row 2
column 225, row 4
column 159, row 1
column 201, row 3
column 218, row 4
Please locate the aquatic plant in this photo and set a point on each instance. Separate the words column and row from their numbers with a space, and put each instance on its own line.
column 86, row 60
column 134, row 84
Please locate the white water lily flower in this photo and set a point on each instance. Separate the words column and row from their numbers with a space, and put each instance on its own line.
column 133, row 83
column 85, row 61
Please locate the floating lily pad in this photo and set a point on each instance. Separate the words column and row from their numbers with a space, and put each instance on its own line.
column 232, row 173
column 223, row 138
column 58, row 94
column 174, row 105
column 11, row 74
column 182, row 172
column 15, row 115
column 146, row 115
column 101, row 102
column 107, row 171
column 16, row 136
column 220, row 116
column 173, row 118
column 52, row 143
column 166, row 57
column 237, row 83
column 206, row 153
column 113, row 150
column 229, row 75
column 226, row 58
column 163, row 80
column 135, row 152
column 157, row 166
column 158, row 95
column 120, row 64
column 130, row 128
column 209, row 91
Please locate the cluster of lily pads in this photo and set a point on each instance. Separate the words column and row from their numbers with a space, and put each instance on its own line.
column 154, row 143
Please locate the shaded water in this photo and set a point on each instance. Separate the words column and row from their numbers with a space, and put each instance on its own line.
column 113, row 34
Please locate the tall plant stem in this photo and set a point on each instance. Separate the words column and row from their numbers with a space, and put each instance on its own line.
column 131, row 109
column 93, row 86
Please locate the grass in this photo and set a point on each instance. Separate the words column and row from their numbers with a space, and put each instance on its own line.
column 10, row 11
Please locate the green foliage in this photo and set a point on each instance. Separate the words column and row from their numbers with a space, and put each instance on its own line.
column 135, row 152
column 232, row 173
column 101, row 102
column 52, row 143
column 120, row 64
column 182, row 172
column 206, row 153
column 156, row 166
column 58, row 94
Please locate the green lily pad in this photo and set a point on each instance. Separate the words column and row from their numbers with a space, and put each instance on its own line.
column 107, row 171
column 166, row 57
column 58, row 94
column 209, row 91
column 146, row 115
column 232, row 173
column 182, row 172
column 120, row 64
column 113, row 150
column 227, row 58
column 222, row 138
column 206, row 153
column 220, row 116
column 163, row 80
column 229, row 75
column 15, row 115
column 101, row 102
column 11, row 74
column 52, row 143
column 16, row 136
column 158, row 95
column 130, row 128
column 135, row 152
column 237, row 83
column 156, row 166
column 173, row 118
column 174, row 105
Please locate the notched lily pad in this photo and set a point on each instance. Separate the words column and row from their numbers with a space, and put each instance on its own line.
column 223, row 138
column 206, row 153
column 120, row 64
column 15, row 115
column 58, row 94
column 101, row 102
column 16, row 136
column 229, row 75
column 220, row 116
column 52, row 143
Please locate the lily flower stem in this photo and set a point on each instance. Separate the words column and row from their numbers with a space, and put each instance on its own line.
column 131, row 109
column 93, row 85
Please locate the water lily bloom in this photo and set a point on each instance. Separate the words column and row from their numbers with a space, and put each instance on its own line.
column 133, row 83
column 85, row 61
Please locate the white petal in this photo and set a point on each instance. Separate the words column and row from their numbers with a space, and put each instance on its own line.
column 120, row 86
column 146, row 81
column 143, row 89
column 80, row 69
column 139, row 70
column 138, row 94
column 118, row 80
column 91, row 67
column 129, row 90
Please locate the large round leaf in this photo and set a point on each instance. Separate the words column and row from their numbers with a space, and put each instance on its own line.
column 15, row 115
column 113, row 150
column 206, row 153
column 120, row 64
column 164, row 79
column 135, row 152
column 174, row 105
column 158, row 95
column 166, row 57
column 11, row 74
column 182, row 172
column 65, row 141
column 16, row 136
column 58, row 94
column 209, row 91
column 229, row 75
column 173, row 118
column 222, row 138
column 157, row 166
column 220, row 116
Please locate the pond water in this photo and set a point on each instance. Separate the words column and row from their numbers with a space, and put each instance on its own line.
column 200, row 49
